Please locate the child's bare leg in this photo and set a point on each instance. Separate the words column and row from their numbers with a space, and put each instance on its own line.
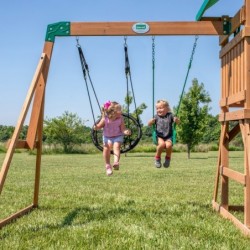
column 106, row 153
column 106, row 156
column 160, row 147
column 168, row 148
column 117, row 151
column 168, row 153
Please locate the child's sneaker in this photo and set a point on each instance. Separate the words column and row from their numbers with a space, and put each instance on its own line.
column 116, row 166
column 108, row 170
column 166, row 164
column 158, row 163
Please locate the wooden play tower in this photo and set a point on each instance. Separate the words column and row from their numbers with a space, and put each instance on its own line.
column 234, row 39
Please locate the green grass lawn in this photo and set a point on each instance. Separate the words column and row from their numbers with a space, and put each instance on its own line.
column 139, row 207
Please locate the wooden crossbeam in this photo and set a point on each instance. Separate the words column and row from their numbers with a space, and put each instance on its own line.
column 213, row 27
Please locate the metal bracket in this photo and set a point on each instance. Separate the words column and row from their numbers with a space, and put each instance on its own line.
column 226, row 25
column 57, row 29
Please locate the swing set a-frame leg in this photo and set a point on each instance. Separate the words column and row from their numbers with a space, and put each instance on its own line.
column 34, row 134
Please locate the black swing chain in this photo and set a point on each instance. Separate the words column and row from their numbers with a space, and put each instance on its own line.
column 129, row 78
column 86, row 75
column 129, row 142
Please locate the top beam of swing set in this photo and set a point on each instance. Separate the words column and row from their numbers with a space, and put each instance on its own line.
column 213, row 26
column 204, row 26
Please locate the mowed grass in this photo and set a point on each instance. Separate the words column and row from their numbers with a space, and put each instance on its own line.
column 139, row 207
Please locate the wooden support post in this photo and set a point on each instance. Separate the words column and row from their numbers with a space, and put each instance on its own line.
column 224, row 163
column 247, row 173
column 38, row 155
column 38, row 85
column 11, row 149
column 39, row 96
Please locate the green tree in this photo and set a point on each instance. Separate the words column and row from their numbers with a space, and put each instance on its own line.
column 6, row 132
column 193, row 114
column 212, row 131
column 139, row 109
column 67, row 130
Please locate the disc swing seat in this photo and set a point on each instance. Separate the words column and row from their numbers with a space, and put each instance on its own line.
column 154, row 135
column 132, row 123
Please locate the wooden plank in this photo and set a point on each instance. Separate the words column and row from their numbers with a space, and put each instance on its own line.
column 213, row 27
column 216, row 206
column 40, row 90
column 16, row 215
column 226, row 214
column 234, row 42
column 235, row 115
column 224, row 162
column 233, row 99
column 247, row 70
column 217, row 176
column 247, row 172
column 247, row 4
column 20, row 144
column 11, row 149
column 234, row 175
column 39, row 154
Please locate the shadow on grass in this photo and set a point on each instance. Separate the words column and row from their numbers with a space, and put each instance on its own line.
column 84, row 215
column 140, row 155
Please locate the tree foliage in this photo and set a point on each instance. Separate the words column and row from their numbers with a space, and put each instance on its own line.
column 212, row 131
column 6, row 132
column 193, row 115
column 67, row 130
column 139, row 109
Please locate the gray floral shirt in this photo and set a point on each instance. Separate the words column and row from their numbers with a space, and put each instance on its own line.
column 164, row 125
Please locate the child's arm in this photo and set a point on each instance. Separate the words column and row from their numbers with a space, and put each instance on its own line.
column 100, row 124
column 124, row 130
column 151, row 122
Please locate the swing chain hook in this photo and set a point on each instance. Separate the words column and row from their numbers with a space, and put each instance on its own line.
column 125, row 41
column 77, row 42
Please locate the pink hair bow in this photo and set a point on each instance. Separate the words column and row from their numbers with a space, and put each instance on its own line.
column 107, row 104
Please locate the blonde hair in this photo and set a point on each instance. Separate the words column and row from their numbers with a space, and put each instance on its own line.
column 111, row 111
column 165, row 103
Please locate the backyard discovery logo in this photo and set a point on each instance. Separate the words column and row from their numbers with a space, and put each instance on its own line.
column 140, row 28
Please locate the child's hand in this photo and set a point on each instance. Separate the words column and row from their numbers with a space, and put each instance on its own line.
column 127, row 132
column 95, row 128
column 151, row 122
column 176, row 120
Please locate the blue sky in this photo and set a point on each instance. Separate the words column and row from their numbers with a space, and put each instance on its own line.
column 23, row 29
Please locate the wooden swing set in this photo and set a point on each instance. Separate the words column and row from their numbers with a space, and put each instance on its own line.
column 234, row 39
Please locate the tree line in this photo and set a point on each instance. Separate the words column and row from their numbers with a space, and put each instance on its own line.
column 197, row 124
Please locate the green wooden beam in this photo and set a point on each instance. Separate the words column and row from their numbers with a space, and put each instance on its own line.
column 206, row 5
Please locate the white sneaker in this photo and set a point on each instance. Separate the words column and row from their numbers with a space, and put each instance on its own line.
column 109, row 170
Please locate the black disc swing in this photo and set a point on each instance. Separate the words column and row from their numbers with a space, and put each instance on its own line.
column 154, row 136
column 131, row 122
